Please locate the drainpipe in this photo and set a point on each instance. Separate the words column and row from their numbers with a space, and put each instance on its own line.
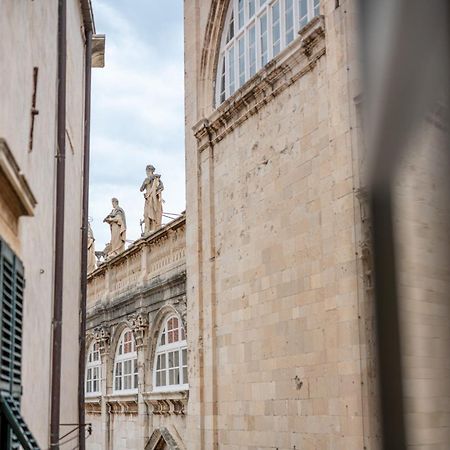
column 84, row 239
column 59, row 229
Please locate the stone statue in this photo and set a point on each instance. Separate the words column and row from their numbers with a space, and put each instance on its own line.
column 117, row 223
column 153, row 187
column 91, row 264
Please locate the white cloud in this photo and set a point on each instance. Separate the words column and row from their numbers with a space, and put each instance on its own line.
column 137, row 119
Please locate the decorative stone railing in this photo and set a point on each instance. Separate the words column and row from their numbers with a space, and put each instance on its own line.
column 145, row 259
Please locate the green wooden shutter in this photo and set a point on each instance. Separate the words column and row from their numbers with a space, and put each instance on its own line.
column 11, row 315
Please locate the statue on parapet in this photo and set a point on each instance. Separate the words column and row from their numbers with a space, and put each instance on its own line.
column 152, row 187
column 118, row 225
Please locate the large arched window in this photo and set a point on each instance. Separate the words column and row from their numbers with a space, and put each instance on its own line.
column 125, row 364
column 255, row 32
column 93, row 370
column 170, row 368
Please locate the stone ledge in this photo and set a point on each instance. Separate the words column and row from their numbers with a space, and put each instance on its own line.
column 167, row 403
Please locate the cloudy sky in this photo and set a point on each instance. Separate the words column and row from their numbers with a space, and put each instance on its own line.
column 137, row 109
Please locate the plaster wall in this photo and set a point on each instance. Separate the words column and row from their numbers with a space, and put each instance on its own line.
column 29, row 39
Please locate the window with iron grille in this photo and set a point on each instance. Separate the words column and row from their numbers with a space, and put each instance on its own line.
column 13, row 430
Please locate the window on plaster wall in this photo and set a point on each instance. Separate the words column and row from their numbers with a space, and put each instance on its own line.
column 125, row 365
column 170, row 366
column 93, row 370
column 256, row 31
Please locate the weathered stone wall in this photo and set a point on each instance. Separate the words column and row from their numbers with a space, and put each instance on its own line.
column 280, row 357
column 28, row 39
column 137, row 289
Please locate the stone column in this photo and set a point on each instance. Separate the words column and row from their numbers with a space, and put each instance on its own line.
column 139, row 327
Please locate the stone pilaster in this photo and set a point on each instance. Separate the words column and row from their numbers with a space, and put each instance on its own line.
column 103, row 337
column 139, row 326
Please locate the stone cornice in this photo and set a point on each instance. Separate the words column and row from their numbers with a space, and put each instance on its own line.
column 281, row 72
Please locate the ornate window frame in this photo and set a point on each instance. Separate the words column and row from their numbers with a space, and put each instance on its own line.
column 255, row 32
column 125, row 364
column 93, row 370
column 170, row 361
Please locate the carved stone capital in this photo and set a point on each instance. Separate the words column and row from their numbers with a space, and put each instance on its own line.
column 103, row 338
column 138, row 324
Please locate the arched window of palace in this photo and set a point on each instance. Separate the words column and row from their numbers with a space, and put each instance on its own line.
column 170, row 367
column 256, row 31
column 93, row 370
column 125, row 364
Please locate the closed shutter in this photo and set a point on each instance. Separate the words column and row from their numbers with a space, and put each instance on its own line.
column 13, row 427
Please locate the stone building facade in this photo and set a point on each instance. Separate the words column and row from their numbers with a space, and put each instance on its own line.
column 28, row 149
column 278, row 289
column 137, row 295
column 278, row 256
column 276, row 279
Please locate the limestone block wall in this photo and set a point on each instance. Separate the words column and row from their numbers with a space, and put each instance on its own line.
column 282, row 356
column 137, row 290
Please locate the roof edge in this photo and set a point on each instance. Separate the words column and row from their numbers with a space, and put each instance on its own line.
column 88, row 15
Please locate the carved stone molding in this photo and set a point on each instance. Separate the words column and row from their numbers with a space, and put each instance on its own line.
column 311, row 33
column 167, row 403
column 93, row 405
column 123, row 404
column 103, row 338
column 138, row 324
